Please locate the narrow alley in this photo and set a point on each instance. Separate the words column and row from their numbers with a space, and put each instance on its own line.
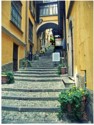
column 47, row 61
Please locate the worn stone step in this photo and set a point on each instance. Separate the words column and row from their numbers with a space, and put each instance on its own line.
column 40, row 68
column 34, row 69
column 30, row 98
column 12, row 117
column 21, row 109
column 43, row 65
column 30, row 102
column 30, row 94
column 36, row 75
column 37, row 78
column 13, row 90
column 37, row 72
column 34, row 79
column 35, row 85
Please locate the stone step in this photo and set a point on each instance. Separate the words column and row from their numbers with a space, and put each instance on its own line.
column 34, row 79
column 29, row 98
column 22, row 109
column 36, row 75
column 30, row 117
column 34, row 69
column 31, row 94
column 35, row 85
column 42, row 64
column 37, row 72
column 40, row 68
column 13, row 91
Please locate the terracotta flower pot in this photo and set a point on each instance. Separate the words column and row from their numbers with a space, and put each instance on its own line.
column 69, row 108
column 4, row 79
column 63, row 70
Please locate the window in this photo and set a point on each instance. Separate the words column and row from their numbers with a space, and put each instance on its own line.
column 31, row 7
column 30, row 31
column 48, row 10
column 46, row 1
column 16, row 7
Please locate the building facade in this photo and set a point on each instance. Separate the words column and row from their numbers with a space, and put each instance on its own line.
column 79, row 32
column 18, row 33
column 80, row 39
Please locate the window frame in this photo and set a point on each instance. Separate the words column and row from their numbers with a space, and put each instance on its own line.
column 48, row 10
column 30, row 35
column 16, row 10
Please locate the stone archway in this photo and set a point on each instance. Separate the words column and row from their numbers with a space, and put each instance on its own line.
column 47, row 25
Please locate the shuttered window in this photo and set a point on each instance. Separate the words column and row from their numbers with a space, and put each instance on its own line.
column 30, row 31
column 16, row 7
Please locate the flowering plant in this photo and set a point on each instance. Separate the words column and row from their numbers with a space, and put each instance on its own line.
column 73, row 102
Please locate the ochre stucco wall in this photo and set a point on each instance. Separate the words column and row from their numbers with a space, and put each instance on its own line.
column 82, row 20
column 49, row 18
column 7, row 49
column 6, row 17
column 29, row 15
column 8, row 40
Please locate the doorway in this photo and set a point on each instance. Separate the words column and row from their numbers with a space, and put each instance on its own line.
column 30, row 54
column 15, row 57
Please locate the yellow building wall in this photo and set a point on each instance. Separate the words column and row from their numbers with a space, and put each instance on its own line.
column 49, row 18
column 7, row 49
column 8, row 40
column 21, row 52
column 34, row 49
column 34, row 39
column 83, row 38
column 6, row 17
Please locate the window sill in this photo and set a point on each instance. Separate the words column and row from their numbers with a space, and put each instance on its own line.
column 16, row 26
column 49, row 15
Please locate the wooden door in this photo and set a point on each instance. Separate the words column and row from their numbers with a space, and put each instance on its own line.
column 15, row 57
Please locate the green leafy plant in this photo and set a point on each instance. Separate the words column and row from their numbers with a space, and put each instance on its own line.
column 73, row 103
column 26, row 63
column 59, row 67
column 36, row 57
column 52, row 40
column 10, row 77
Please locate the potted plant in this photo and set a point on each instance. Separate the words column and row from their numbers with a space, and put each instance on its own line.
column 10, row 77
column 4, row 78
column 7, row 77
column 62, row 68
column 73, row 103
column 26, row 63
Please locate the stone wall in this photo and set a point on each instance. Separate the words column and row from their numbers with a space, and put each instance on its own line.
column 7, row 67
column 80, row 82
column 89, row 108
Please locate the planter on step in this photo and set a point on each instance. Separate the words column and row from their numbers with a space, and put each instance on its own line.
column 4, row 79
column 63, row 70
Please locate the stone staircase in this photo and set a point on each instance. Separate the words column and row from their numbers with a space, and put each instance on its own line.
column 33, row 98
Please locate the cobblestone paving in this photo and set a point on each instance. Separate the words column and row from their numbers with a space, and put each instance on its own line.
column 35, row 85
column 30, row 117
column 33, row 95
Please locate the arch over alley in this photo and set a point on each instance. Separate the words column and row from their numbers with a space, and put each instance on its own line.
column 47, row 25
